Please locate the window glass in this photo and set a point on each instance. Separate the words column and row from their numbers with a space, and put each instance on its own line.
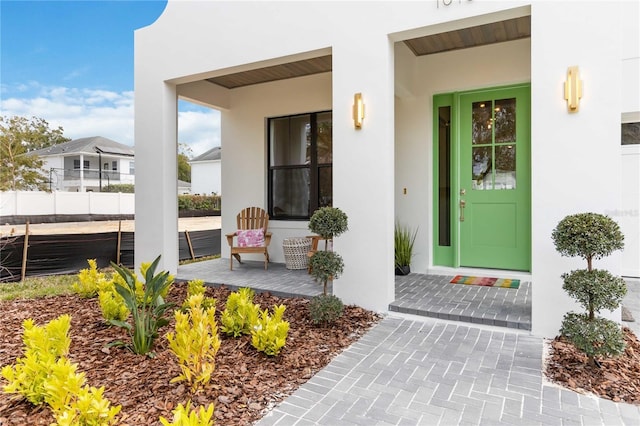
column 444, row 176
column 290, row 140
column 631, row 133
column 300, row 158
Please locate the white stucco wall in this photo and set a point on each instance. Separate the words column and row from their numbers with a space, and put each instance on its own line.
column 206, row 177
column 570, row 152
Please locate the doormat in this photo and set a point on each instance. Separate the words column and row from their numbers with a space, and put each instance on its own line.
column 486, row 281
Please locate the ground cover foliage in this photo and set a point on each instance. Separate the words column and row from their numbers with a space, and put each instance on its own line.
column 244, row 384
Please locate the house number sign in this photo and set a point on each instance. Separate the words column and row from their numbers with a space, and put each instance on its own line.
column 445, row 3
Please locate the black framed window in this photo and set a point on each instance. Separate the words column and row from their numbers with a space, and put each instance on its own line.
column 300, row 164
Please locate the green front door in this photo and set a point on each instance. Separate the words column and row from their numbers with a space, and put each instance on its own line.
column 494, row 185
column 490, row 180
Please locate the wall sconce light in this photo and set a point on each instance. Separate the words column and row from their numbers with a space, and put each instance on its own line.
column 358, row 110
column 573, row 89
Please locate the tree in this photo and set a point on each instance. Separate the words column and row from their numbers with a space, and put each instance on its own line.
column 18, row 137
column 184, row 168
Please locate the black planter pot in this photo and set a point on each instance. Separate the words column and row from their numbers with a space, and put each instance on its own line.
column 403, row 270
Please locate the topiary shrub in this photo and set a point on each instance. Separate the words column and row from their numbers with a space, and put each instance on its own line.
column 591, row 236
column 328, row 222
column 325, row 266
column 325, row 309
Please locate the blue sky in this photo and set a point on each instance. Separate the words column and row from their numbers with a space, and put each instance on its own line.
column 71, row 63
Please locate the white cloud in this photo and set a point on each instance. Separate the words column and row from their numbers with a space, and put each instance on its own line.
column 199, row 129
column 85, row 112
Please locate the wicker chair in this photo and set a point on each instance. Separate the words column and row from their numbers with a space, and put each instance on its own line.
column 250, row 219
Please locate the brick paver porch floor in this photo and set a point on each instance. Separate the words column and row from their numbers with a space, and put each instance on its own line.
column 417, row 294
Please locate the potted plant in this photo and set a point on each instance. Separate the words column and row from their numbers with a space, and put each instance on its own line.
column 591, row 236
column 404, row 239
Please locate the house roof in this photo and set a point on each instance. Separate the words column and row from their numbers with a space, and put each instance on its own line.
column 211, row 155
column 88, row 145
column 183, row 184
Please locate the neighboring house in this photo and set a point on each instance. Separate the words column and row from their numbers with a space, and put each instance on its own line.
column 88, row 164
column 206, row 172
column 466, row 136
column 184, row 188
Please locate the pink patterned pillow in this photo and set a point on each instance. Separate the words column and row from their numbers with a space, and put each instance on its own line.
column 250, row 238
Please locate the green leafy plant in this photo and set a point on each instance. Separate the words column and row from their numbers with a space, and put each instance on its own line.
column 404, row 239
column 186, row 416
column 591, row 236
column 240, row 313
column 89, row 280
column 269, row 334
column 43, row 347
column 147, row 307
column 195, row 287
column 195, row 342
column 325, row 309
column 325, row 266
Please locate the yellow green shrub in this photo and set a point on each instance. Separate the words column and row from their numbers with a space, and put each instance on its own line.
column 88, row 408
column 111, row 304
column 195, row 342
column 240, row 313
column 269, row 334
column 62, row 384
column 197, row 287
column 185, row 416
column 89, row 280
column 43, row 347
column 46, row 375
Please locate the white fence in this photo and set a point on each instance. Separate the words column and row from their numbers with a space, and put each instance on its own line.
column 28, row 203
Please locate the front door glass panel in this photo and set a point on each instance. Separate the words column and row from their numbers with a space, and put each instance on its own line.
column 493, row 136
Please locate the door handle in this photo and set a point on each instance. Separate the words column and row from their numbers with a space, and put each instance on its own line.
column 462, row 205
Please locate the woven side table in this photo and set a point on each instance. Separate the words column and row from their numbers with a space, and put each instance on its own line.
column 295, row 252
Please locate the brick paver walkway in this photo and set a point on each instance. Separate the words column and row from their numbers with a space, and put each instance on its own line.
column 406, row 372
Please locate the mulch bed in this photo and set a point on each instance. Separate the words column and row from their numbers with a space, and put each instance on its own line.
column 245, row 384
column 618, row 379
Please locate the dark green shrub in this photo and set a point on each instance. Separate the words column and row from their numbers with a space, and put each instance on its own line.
column 595, row 290
column 591, row 236
column 587, row 235
column 594, row 337
column 325, row 266
column 199, row 202
column 328, row 222
column 325, row 309
column 120, row 187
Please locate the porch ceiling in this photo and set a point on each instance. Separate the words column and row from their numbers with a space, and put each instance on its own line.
column 276, row 72
column 495, row 32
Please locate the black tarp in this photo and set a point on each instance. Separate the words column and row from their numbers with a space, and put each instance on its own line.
column 68, row 254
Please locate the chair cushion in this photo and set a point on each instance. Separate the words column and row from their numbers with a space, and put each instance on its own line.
column 250, row 238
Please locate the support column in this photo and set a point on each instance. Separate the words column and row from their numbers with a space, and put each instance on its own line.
column 156, row 201
column 363, row 169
